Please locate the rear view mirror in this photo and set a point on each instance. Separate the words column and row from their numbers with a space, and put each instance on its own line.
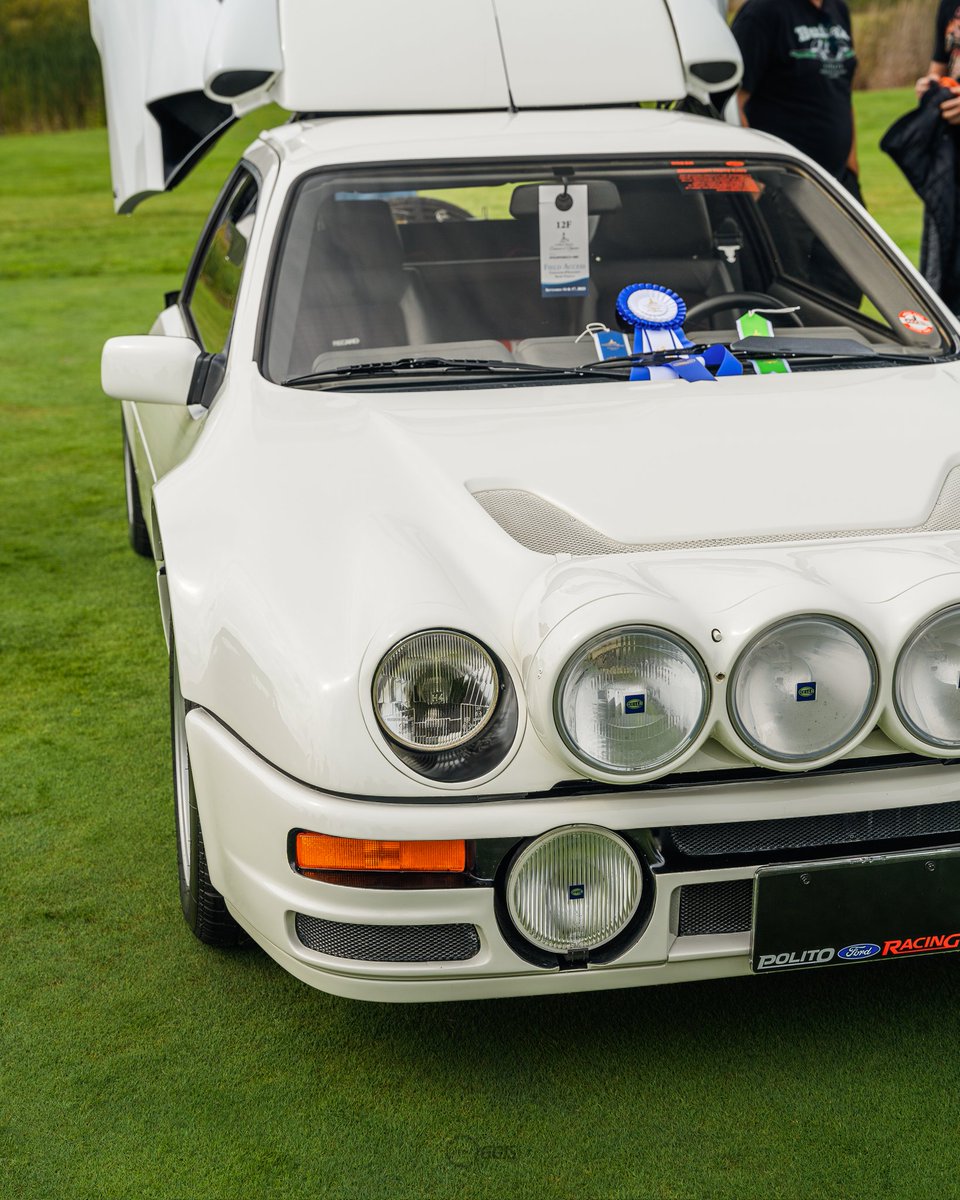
column 150, row 370
column 603, row 196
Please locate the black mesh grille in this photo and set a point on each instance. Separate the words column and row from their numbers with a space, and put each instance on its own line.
column 809, row 833
column 716, row 907
column 389, row 943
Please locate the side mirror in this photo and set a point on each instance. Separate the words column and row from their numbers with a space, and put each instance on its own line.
column 151, row 369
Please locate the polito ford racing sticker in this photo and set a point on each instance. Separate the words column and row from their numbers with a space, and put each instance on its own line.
column 928, row 943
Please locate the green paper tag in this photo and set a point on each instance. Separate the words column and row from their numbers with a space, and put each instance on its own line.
column 752, row 324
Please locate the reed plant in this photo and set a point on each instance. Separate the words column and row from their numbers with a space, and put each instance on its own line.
column 49, row 67
column 894, row 42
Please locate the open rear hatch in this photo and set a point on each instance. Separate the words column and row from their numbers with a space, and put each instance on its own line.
column 177, row 73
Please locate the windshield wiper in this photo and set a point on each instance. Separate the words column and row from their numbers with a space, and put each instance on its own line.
column 609, row 368
column 818, row 347
column 442, row 366
column 769, row 348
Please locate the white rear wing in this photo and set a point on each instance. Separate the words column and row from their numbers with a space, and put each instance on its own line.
column 178, row 72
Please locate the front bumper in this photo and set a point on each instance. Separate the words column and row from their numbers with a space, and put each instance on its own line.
column 248, row 810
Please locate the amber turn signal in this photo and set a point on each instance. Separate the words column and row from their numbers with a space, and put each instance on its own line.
column 321, row 852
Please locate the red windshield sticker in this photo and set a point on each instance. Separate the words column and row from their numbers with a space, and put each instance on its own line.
column 915, row 322
column 717, row 179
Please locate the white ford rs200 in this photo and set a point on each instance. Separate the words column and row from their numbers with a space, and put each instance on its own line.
column 555, row 497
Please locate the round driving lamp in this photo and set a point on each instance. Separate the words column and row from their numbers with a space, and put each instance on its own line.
column 574, row 889
column 435, row 690
column 803, row 689
column 632, row 700
column 927, row 681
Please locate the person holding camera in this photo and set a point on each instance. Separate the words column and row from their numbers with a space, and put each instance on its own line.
column 945, row 63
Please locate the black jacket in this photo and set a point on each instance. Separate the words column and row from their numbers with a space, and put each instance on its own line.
column 924, row 147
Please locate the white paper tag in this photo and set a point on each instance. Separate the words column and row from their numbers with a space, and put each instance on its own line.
column 564, row 241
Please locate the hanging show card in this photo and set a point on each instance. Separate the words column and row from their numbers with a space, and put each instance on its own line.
column 564, row 240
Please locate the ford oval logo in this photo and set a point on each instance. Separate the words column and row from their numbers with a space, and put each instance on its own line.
column 858, row 950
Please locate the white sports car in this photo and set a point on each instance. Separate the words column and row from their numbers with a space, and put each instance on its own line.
column 556, row 506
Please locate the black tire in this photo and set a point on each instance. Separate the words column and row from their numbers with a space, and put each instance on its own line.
column 136, row 525
column 204, row 908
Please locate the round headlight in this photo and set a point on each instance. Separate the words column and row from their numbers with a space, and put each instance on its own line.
column 632, row 699
column 574, row 889
column 927, row 681
column 435, row 690
column 803, row 689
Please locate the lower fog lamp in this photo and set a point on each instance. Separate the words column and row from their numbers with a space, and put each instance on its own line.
column 574, row 889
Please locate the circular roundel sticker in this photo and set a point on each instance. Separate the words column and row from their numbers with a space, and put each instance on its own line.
column 651, row 306
column 916, row 322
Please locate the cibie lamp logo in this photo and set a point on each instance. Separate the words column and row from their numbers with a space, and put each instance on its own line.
column 858, row 950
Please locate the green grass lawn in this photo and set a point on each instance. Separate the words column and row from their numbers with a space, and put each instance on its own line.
column 137, row 1064
column 887, row 194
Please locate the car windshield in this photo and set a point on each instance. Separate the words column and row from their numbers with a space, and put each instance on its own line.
column 511, row 264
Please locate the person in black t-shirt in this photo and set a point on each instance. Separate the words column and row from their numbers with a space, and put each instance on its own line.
column 946, row 58
column 798, row 65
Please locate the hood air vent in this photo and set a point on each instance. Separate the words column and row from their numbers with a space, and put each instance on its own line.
column 545, row 528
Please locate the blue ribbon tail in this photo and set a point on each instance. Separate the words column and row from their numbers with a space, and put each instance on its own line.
column 721, row 361
column 691, row 369
column 714, row 363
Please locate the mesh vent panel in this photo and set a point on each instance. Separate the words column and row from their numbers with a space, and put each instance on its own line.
column 548, row 529
column 389, row 943
column 810, row 833
column 716, row 907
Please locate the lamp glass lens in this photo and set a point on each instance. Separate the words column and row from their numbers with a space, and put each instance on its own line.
column 803, row 689
column 928, row 681
column 632, row 700
column 435, row 690
column 574, row 889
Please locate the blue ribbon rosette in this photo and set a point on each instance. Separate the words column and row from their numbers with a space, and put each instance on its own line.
column 657, row 315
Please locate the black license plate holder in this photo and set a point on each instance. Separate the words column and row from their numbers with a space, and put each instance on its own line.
column 848, row 911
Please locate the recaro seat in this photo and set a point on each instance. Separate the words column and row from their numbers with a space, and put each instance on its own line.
column 356, row 291
column 661, row 234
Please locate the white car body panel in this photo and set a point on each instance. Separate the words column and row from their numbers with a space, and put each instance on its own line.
column 148, row 51
column 408, row 464
column 303, row 533
column 387, row 58
column 554, row 58
column 319, row 56
column 247, row 808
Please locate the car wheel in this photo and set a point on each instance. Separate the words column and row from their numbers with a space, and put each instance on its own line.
column 136, row 525
column 204, row 908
